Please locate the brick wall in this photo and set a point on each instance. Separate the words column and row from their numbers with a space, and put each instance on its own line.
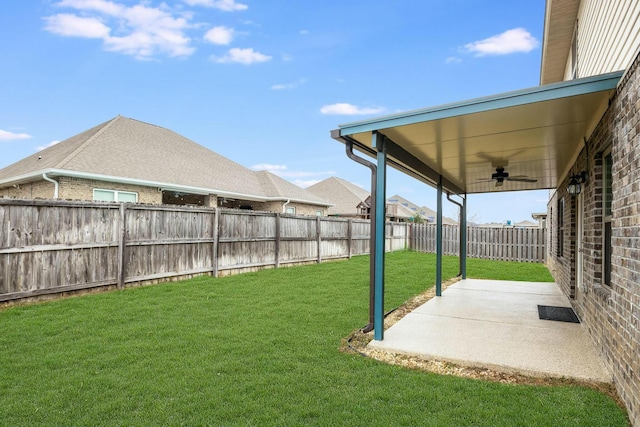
column 32, row 190
column 82, row 189
column 78, row 189
column 611, row 314
column 301, row 208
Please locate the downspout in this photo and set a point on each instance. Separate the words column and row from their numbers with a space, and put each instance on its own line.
column 55, row 183
column 348, row 142
column 462, row 226
column 284, row 206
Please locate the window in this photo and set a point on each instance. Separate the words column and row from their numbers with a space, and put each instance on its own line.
column 607, row 193
column 291, row 210
column 560, row 223
column 319, row 213
column 114, row 196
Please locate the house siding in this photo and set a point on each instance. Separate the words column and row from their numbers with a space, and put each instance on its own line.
column 611, row 314
column 609, row 27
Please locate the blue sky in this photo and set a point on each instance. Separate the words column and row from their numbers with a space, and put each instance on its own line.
column 263, row 82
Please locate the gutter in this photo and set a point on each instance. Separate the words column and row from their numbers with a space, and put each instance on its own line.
column 55, row 184
column 144, row 183
column 284, row 206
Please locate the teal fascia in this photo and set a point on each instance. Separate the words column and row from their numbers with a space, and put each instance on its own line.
column 505, row 100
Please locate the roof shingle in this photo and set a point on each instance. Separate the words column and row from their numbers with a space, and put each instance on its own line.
column 128, row 148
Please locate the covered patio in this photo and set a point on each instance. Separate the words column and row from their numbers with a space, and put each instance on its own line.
column 522, row 140
column 495, row 325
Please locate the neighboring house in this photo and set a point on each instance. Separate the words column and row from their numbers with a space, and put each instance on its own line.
column 541, row 217
column 127, row 160
column 351, row 201
column 491, row 225
column 399, row 213
column 347, row 199
column 429, row 215
column 594, row 214
column 510, row 224
column 526, row 224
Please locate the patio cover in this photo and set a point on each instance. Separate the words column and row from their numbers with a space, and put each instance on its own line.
column 537, row 133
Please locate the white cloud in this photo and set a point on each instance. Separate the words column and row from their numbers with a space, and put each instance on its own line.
column 511, row 41
column 224, row 5
column 285, row 86
column 219, row 35
column 101, row 6
column 453, row 60
column 304, row 183
column 6, row 135
column 75, row 26
column 51, row 144
column 242, row 56
column 137, row 30
column 283, row 172
column 350, row 110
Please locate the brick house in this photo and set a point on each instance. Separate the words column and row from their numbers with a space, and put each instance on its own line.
column 348, row 200
column 351, row 201
column 131, row 161
column 594, row 214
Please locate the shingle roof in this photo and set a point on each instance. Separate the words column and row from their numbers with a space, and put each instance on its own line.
column 279, row 187
column 344, row 195
column 424, row 211
column 402, row 211
column 131, row 149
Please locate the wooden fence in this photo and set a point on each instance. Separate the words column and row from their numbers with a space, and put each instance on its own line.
column 506, row 243
column 49, row 247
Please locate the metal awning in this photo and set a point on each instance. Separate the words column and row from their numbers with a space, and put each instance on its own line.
column 536, row 132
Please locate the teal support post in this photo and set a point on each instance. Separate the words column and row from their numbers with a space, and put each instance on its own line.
column 380, row 213
column 439, row 240
column 463, row 238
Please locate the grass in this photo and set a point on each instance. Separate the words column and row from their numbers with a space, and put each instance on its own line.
column 253, row 349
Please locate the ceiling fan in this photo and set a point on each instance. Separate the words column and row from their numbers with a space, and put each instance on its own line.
column 500, row 176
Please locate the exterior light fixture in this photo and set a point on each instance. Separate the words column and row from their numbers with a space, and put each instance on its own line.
column 574, row 188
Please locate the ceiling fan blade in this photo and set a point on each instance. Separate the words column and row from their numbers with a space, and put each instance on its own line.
column 518, row 179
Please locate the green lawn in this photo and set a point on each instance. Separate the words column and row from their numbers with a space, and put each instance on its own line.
column 254, row 349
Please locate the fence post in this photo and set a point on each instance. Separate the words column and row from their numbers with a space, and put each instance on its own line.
column 216, row 241
column 319, row 238
column 121, row 247
column 277, row 244
column 349, row 237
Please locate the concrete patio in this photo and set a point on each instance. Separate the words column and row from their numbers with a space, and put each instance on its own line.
column 495, row 324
